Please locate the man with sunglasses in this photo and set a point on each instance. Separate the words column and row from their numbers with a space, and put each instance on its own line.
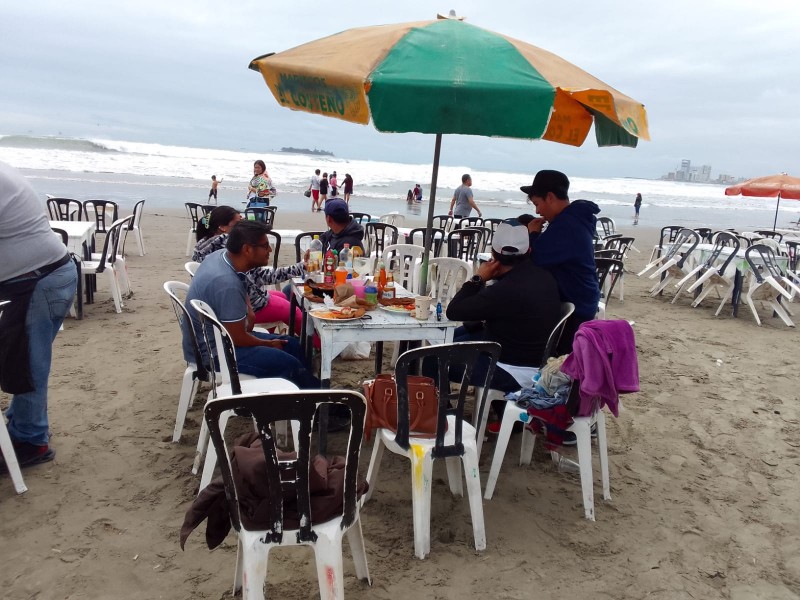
column 220, row 282
column 565, row 247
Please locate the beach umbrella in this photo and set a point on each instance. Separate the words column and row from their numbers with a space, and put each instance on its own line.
column 771, row 186
column 446, row 76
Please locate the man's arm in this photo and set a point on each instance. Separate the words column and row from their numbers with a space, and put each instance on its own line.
column 474, row 302
column 242, row 338
column 452, row 204
column 475, row 206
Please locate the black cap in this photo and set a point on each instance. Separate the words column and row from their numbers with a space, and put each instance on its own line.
column 548, row 181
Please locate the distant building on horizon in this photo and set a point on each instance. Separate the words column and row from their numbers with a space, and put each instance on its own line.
column 685, row 172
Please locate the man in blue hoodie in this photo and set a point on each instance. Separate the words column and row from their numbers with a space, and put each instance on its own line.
column 566, row 247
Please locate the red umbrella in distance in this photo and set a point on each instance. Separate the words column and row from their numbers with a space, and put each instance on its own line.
column 771, row 186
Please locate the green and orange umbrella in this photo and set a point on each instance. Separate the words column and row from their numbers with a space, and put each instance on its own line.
column 447, row 76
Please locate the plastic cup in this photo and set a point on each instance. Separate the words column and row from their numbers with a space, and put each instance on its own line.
column 422, row 307
column 358, row 287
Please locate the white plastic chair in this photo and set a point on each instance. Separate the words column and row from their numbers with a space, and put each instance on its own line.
column 454, row 441
column 136, row 226
column 582, row 428
column 445, row 277
column 403, row 260
column 6, row 447
column 767, row 283
column 325, row 538
column 524, row 376
column 191, row 267
column 392, row 218
column 227, row 382
column 110, row 263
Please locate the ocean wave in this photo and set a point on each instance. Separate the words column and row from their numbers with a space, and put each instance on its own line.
column 53, row 143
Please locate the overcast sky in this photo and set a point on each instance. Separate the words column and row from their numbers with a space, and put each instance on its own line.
column 720, row 79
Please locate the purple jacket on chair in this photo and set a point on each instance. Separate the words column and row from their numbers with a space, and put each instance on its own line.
column 604, row 360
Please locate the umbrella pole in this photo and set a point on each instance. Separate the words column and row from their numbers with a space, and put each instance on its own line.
column 775, row 222
column 429, row 225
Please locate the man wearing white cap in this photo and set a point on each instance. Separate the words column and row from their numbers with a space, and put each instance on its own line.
column 518, row 310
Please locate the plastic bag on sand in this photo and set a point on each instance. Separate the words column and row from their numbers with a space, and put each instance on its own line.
column 356, row 351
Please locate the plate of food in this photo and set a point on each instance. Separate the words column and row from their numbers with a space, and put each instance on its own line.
column 337, row 314
column 403, row 309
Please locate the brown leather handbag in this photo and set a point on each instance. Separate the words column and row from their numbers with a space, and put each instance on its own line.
column 423, row 403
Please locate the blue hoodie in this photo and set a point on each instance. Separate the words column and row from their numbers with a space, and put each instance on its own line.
column 566, row 249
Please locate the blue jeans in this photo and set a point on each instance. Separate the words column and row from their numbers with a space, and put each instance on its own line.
column 262, row 361
column 52, row 297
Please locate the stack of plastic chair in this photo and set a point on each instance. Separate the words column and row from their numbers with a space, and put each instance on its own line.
column 671, row 264
column 454, row 441
column 768, row 283
column 713, row 275
column 291, row 478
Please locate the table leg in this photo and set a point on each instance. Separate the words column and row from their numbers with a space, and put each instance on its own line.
column 738, row 280
column 378, row 357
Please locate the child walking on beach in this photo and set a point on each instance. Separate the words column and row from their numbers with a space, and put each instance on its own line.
column 213, row 192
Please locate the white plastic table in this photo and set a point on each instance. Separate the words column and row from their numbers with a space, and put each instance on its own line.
column 80, row 234
column 377, row 326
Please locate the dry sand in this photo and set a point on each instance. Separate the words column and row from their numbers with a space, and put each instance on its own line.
column 704, row 472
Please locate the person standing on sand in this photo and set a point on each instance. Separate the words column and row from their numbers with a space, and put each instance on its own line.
column 260, row 189
column 314, row 187
column 323, row 192
column 39, row 278
column 463, row 201
column 213, row 192
column 637, row 204
column 348, row 187
column 334, row 183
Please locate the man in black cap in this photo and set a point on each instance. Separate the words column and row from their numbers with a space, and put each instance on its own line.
column 565, row 247
column 342, row 229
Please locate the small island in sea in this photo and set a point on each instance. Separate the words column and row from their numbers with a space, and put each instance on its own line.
column 313, row 152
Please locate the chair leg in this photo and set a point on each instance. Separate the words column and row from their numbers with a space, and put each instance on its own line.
column 421, row 474
column 510, row 416
column 10, row 456
column 583, row 434
column 355, row 538
column 211, row 453
column 330, row 566
column 188, row 388
column 202, row 442
column 140, row 241
column 602, row 448
column 454, row 475
column 190, row 243
column 255, row 559
column 237, row 573
column 782, row 313
column 526, row 447
column 752, row 306
column 470, row 460
column 374, row 467
column 115, row 293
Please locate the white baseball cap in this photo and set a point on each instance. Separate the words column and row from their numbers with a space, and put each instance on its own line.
column 511, row 238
